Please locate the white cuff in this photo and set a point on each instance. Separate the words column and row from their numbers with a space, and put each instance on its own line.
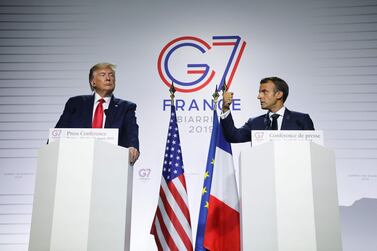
column 223, row 115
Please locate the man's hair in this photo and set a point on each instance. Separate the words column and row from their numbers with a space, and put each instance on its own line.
column 280, row 85
column 97, row 67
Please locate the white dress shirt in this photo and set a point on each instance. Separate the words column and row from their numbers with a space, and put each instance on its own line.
column 280, row 118
column 105, row 106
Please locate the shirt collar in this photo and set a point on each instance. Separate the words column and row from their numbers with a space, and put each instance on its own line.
column 98, row 97
column 280, row 112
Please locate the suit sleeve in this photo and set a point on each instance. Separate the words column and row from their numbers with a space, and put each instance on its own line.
column 65, row 118
column 308, row 123
column 131, row 128
column 233, row 134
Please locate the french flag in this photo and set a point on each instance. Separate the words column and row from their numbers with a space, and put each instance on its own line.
column 222, row 230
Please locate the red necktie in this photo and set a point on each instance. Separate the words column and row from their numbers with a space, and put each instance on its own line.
column 98, row 115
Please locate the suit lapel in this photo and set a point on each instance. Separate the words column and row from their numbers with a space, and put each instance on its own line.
column 111, row 112
column 88, row 112
column 286, row 120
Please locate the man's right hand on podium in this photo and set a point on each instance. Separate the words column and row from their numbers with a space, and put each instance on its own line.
column 133, row 154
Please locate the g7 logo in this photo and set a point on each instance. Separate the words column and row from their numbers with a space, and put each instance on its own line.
column 205, row 72
column 56, row 133
column 144, row 173
column 259, row 135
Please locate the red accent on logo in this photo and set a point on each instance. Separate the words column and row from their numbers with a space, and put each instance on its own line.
column 236, row 64
column 195, row 72
column 223, row 43
column 166, row 82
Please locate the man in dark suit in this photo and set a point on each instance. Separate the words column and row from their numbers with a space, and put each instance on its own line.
column 103, row 110
column 273, row 92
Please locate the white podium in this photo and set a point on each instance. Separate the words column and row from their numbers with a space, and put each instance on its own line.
column 82, row 198
column 289, row 198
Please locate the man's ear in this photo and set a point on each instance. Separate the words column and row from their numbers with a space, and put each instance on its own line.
column 279, row 95
column 92, row 84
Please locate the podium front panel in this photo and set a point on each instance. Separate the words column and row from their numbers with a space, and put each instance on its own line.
column 82, row 197
column 288, row 197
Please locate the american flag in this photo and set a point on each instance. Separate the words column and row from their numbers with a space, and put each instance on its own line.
column 171, row 226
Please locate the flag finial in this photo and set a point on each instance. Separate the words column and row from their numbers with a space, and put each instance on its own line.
column 215, row 96
column 172, row 91
column 224, row 87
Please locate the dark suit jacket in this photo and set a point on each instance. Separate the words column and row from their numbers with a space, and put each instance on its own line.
column 291, row 121
column 78, row 113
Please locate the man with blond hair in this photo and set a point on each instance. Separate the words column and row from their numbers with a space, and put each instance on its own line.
column 103, row 110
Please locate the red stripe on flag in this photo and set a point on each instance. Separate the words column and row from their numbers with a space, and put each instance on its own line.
column 222, row 231
column 183, row 181
column 158, row 243
column 165, row 232
column 174, row 219
column 180, row 201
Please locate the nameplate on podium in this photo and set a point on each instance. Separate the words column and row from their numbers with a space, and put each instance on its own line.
column 259, row 137
column 102, row 134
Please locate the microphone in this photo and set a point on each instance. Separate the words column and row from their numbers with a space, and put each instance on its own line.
column 106, row 112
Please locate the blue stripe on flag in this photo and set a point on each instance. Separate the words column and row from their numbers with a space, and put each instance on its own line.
column 222, row 143
column 206, row 190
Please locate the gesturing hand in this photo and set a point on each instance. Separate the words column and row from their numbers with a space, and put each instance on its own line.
column 227, row 100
